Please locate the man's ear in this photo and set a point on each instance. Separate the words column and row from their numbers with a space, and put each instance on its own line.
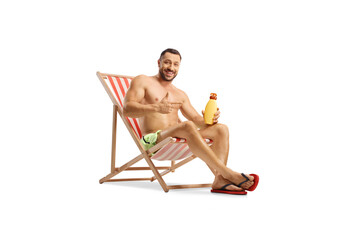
column 159, row 63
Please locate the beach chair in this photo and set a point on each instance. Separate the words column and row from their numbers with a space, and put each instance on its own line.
column 170, row 149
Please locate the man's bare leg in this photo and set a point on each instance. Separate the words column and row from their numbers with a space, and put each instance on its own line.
column 219, row 133
column 188, row 130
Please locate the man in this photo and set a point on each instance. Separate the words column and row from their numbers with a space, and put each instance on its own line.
column 156, row 102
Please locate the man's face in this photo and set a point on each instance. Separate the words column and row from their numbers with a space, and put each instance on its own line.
column 169, row 66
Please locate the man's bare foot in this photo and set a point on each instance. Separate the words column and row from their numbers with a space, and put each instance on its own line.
column 220, row 182
column 239, row 180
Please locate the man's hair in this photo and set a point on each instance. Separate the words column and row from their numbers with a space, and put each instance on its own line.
column 170, row 50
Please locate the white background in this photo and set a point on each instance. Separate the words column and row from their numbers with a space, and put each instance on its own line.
column 287, row 78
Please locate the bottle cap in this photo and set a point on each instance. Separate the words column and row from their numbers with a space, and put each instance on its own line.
column 213, row 96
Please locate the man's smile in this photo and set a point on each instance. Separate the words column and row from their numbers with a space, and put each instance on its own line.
column 169, row 73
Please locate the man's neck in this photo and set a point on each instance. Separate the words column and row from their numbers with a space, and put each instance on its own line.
column 163, row 82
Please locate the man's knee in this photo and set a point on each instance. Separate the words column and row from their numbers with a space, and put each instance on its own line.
column 189, row 126
column 221, row 129
column 189, row 129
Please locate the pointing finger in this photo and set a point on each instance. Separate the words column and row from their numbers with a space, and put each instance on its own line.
column 176, row 104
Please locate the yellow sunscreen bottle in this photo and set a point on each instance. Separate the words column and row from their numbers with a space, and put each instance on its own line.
column 210, row 109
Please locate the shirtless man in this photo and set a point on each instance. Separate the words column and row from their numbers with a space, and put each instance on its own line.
column 156, row 102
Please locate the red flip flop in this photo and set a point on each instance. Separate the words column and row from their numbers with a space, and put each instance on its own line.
column 256, row 181
column 223, row 190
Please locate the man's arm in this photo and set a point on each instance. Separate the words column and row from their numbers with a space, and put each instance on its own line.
column 132, row 106
column 191, row 114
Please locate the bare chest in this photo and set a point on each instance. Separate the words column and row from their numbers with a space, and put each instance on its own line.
column 155, row 93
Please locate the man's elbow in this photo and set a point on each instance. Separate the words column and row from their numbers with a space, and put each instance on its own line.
column 129, row 111
column 126, row 111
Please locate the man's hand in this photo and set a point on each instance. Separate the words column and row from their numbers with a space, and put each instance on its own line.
column 165, row 107
column 216, row 116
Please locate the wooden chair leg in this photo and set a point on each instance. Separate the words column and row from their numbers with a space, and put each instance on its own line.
column 120, row 169
column 113, row 142
column 172, row 166
column 156, row 173
column 179, row 164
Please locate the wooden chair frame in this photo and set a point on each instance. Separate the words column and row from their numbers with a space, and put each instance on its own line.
column 144, row 154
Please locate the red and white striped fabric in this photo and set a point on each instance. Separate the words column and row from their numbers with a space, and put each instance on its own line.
column 118, row 87
column 175, row 150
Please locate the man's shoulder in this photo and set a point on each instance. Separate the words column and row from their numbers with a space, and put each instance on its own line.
column 141, row 77
column 179, row 90
column 141, row 80
column 181, row 93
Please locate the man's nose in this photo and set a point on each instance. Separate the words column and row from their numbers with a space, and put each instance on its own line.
column 171, row 67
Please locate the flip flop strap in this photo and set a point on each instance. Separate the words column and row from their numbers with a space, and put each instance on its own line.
column 223, row 187
column 247, row 179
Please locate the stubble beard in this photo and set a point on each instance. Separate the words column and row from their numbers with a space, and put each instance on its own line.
column 164, row 78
